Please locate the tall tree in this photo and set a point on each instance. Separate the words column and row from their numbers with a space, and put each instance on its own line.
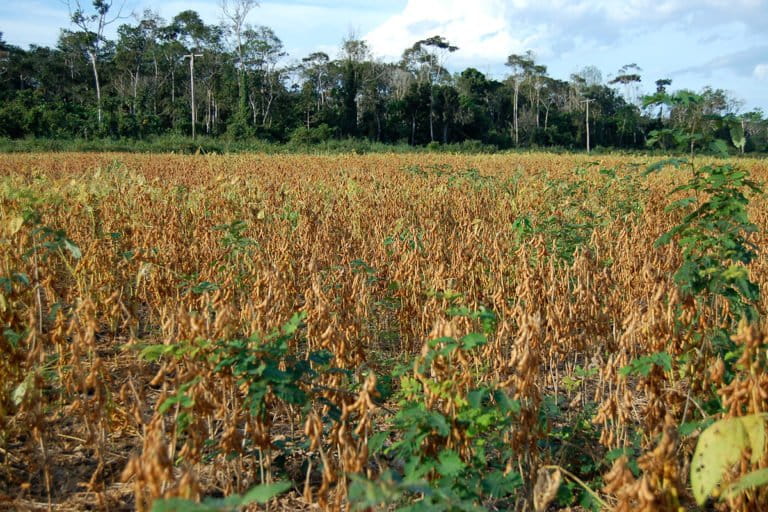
column 200, row 40
column 151, row 29
column 314, row 70
column 131, row 48
column 629, row 114
column 4, row 55
column 755, row 128
column 262, row 53
column 474, row 88
column 629, row 77
column 92, row 24
column 446, row 104
column 354, row 54
column 236, row 11
column 427, row 59
column 140, row 84
column 520, row 66
column 661, row 88
column 536, row 78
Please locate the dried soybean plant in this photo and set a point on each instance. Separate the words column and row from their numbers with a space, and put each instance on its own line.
column 354, row 331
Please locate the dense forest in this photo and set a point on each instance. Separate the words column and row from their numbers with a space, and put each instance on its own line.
column 185, row 77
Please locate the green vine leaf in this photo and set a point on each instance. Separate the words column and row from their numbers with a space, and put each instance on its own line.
column 260, row 494
column 450, row 464
column 644, row 365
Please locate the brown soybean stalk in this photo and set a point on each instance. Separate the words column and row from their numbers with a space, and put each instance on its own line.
column 195, row 326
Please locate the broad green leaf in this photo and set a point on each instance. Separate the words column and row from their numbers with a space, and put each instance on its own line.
column 449, row 463
column 690, row 427
column 321, row 357
column 719, row 146
column 506, row 404
column 154, row 352
column 263, row 493
column 21, row 278
column 737, row 135
column 644, row 365
column 475, row 398
column 365, row 494
column 73, row 249
column 473, row 340
column 498, row 485
column 228, row 504
column 181, row 505
column 588, row 502
column 293, row 325
column 205, row 286
column 656, row 99
column 438, row 422
column 14, row 338
column 184, row 401
column 720, row 447
column 485, row 420
column 416, row 469
column 376, row 442
column 657, row 166
column 749, row 481
column 680, row 203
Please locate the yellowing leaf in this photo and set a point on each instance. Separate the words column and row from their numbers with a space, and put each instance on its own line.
column 14, row 225
column 21, row 390
column 749, row 481
column 720, row 448
column 754, row 425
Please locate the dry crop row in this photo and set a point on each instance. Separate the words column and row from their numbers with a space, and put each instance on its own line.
column 188, row 326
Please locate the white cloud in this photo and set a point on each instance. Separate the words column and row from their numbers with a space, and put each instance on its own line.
column 743, row 62
column 40, row 28
column 715, row 42
column 492, row 29
column 304, row 26
column 478, row 29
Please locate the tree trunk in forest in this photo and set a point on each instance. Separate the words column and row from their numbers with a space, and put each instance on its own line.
column 208, row 113
column 431, row 115
column 136, row 78
column 92, row 56
column 514, row 113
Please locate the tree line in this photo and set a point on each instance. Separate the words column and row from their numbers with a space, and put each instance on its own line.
column 183, row 76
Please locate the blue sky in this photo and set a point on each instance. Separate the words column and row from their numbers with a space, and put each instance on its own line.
column 722, row 43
